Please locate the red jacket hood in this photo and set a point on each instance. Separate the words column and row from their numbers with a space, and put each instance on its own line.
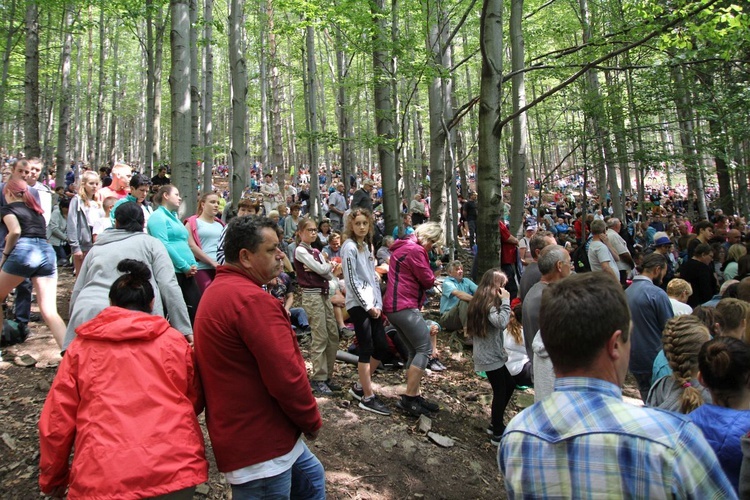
column 116, row 324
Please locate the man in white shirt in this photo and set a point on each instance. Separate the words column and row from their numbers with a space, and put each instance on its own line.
column 600, row 257
column 617, row 243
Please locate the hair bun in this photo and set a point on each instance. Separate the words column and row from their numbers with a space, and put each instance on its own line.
column 135, row 268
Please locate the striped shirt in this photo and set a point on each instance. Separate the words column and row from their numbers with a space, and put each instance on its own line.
column 583, row 441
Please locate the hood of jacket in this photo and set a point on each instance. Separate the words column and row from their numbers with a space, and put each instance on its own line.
column 404, row 242
column 115, row 324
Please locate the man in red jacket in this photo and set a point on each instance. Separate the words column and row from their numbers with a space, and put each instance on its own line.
column 258, row 399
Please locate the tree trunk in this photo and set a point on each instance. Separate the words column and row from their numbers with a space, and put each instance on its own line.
column 384, row 114
column 277, row 145
column 687, row 139
column 208, row 95
column 100, row 101
column 345, row 122
column 31, row 82
column 179, row 81
column 518, row 161
column 161, row 25
column 10, row 34
column 436, row 23
column 149, row 49
column 263, row 70
column 312, row 106
column 489, row 185
column 614, row 92
column 239, row 96
column 195, row 99
column 64, row 109
column 113, row 118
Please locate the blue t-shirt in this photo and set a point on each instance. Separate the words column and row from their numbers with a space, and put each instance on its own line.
column 210, row 234
column 448, row 301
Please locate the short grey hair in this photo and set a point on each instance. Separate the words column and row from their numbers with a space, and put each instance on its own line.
column 452, row 265
column 549, row 258
column 598, row 227
column 612, row 221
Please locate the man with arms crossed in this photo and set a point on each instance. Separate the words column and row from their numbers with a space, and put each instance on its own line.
column 584, row 440
column 258, row 399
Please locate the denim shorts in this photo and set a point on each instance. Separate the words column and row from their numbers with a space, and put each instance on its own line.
column 32, row 258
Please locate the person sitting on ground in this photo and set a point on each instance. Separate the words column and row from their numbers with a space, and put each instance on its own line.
column 124, row 358
column 333, row 249
column 282, row 288
column 680, row 391
column 384, row 253
column 724, row 364
column 735, row 316
column 434, row 363
column 679, row 291
column 456, row 296
column 488, row 316
column 590, row 439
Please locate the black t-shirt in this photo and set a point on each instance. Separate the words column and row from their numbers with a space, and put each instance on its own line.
column 32, row 223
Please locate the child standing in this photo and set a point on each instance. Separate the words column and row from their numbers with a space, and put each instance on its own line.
column 313, row 274
column 489, row 314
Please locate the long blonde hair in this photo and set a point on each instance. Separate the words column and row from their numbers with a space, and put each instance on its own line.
column 683, row 338
column 87, row 176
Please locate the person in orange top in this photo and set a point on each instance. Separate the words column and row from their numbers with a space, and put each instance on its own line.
column 126, row 396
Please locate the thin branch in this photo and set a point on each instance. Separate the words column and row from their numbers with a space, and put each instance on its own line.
column 575, row 76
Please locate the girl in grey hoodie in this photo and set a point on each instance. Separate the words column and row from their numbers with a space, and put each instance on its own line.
column 489, row 314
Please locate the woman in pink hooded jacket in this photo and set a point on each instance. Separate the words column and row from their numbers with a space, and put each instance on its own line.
column 126, row 396
column 409, row 277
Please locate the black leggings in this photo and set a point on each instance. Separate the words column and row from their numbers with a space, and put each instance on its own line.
column 502, row 389
column 370, row 335
column 191, row 293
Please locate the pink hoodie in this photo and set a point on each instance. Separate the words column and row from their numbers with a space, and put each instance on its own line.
column 409, row 276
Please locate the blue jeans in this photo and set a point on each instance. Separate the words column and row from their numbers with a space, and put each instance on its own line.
column 305, row 480
column 299, row 318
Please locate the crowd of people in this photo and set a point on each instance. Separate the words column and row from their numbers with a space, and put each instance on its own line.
column 576, row 302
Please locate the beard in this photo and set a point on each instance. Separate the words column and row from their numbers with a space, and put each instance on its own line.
column 657, row 280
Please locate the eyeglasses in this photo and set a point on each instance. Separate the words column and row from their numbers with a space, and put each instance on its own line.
column 311, row 230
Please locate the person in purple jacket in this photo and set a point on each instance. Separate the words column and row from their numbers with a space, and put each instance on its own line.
column 409, row 277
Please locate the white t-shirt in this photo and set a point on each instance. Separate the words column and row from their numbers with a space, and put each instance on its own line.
column 680, row 308
column 620, row 247
column 269, row 468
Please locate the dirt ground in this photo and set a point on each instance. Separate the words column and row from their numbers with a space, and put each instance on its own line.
column 366, row 456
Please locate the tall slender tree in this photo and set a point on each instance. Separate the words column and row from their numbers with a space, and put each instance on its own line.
column 31, row 82
column 179, row 81
column 64, row 109
column 239, row 96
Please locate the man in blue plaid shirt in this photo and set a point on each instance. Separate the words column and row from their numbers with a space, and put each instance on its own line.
column 584, row 441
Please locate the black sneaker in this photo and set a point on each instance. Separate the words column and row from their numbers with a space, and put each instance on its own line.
column 332, row 386
column 495, row 439
column 321, row 388
column 412, row 407
column 357, row 392
column 374, row 405
column 428, row 405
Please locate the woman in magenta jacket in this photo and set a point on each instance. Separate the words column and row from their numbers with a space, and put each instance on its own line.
column 126, row 396
column 409, row 278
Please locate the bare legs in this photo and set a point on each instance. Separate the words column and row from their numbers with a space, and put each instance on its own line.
column 46, row 293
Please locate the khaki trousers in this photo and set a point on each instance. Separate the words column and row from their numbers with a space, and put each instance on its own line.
column 325, row 334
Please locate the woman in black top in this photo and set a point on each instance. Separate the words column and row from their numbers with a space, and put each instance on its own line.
column 27, row 253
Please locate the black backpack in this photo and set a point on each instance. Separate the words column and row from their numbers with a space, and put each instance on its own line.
column 580, row 258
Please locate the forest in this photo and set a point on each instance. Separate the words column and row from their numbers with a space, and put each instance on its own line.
column 493, row 93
